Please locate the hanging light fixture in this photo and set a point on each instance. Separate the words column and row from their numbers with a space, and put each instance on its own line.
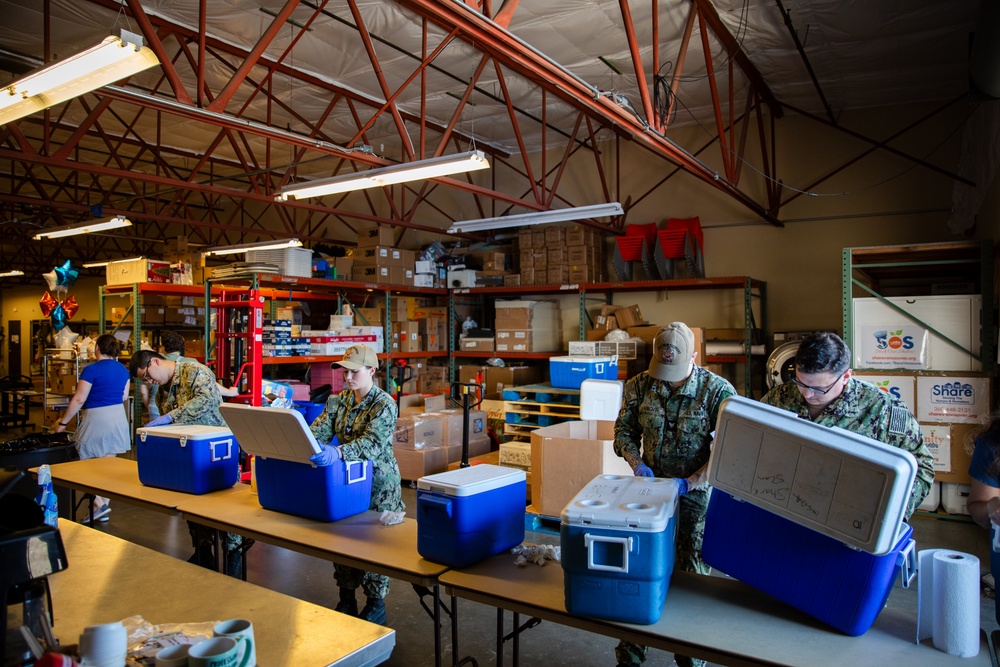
column 113, row 59
column 538, row 217
column 262, row 245
column 382, row 176
column 84, row 228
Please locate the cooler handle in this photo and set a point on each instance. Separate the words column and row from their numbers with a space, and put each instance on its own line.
column 354, row 465
column 432, row 502
column 215, row 443
column 907, row 561
column 625, row 542
column 142, row 436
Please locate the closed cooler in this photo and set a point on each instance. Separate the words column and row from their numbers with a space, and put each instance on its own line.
column 809, row 514
column 617, row 543
column 570, row 372
column 189, row 458
column 469, row 514
column 287, row 481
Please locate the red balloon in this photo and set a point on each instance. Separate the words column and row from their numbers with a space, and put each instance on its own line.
column 48, row 304
column 70, row 305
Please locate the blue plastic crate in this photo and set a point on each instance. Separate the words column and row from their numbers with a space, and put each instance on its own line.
column 818, row 575
column 469, row 514
column 570, row 372
column 188, row 458
column 329, row 493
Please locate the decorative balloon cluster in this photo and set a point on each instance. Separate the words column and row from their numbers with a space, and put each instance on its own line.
column 59, row 308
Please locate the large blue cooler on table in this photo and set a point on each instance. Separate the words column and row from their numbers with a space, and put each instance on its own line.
column 617, row 543
column 809, row 514
column 189, row 458
column 287, row 481
column 469, row 514
column 570, row 372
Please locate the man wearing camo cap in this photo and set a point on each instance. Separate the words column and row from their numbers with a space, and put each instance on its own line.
column 665, row 429
column 824, row 392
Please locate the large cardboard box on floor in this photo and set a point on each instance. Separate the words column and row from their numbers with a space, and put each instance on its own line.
column 415, row 463
column 565, row 457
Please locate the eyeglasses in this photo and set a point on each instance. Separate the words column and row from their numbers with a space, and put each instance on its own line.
column 142, row 373
column 817, row 390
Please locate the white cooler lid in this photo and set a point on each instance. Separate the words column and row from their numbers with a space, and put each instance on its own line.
column 616, row 501
column 183, row 431
column 470, row 481
column 841, row 484
column 276, row 433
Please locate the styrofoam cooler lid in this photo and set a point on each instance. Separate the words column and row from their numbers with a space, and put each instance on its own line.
column 278, row 433
column 616, row 501
column 470, row 481
column 178, row 431
column 841, row 484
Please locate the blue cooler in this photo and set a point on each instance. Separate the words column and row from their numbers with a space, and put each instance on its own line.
column 469, row 514
column 570, row 372
column 809, row 514
column 287, row 482
column 188, row 458
column 617, row 540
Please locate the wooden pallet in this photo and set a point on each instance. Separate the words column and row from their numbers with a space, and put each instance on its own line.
column 534, row 406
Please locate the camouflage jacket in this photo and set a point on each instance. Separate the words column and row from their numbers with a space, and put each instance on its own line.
column 192, row 397
column 365, row 432
column 864, row 409
column 670, row 430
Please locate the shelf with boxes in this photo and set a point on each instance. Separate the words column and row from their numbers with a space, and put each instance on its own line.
column 919, row 320
column 746, row 345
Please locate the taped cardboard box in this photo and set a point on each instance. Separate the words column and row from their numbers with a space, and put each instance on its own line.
column 452, row 424
column 629, row 316
column 951, row 446
column 418, row 432
column 477, row 447
column 498, row 378
column 416, row 463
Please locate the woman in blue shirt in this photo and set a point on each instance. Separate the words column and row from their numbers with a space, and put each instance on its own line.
column 100, row 398
column 984, row 496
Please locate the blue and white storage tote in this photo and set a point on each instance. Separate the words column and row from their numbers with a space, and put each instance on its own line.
column 809, row 514
column 189, row 458
column 617, row 544
column 282, row 443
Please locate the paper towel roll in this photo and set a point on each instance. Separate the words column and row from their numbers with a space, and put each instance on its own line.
column 948, row 601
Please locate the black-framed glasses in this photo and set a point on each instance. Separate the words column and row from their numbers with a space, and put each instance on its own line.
column 817, row 390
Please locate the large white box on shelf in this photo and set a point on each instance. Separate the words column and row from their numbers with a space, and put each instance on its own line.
column 885, row 338
column 954, row 399
column 290, row 261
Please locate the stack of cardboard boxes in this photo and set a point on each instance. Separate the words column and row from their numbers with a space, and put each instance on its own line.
column 377, row 260
column 528, row 326
column 429, row 436
column 560, row 254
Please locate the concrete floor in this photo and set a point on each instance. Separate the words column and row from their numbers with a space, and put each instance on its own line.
column 548, row 644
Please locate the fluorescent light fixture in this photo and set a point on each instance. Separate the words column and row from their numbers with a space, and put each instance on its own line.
column 263, row 245
column 380, row 176
column 11, row 274
column 95, row 265
column 85, row 228
column 538, row 217
column 113, row 59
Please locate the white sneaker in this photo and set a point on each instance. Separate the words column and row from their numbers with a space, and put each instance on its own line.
column 101, row 515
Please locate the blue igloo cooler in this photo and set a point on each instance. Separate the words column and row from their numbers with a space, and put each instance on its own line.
column 469, row 514
column 617, row 538
column 570, row 372
column 287, row 481
column 808, row 514
column 189, row 458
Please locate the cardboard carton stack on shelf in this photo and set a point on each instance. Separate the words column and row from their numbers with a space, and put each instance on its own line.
column 378, row 260
column 428, row 436
column 152, row 313
column 527, row 326
column 560, row 254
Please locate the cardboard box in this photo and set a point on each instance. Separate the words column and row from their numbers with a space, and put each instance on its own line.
column 140, row 270
column 477, row 447
column 374, row 236
column 497, row 378
column 452, row 425
column 516, row 455
column 629, row 316
column 958, row 439
column 476, row 344
column 902, row 385
column 566, row 457
column 953, row 398
column 415, row 463
column 417, row 432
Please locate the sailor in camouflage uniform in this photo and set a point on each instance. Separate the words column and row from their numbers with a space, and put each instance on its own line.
column 824, row 392
column 358, row 423
column 187, row 393
column 665, row 429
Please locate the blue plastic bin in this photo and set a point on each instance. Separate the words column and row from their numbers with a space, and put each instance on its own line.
column 188, row 458
column 309, row 410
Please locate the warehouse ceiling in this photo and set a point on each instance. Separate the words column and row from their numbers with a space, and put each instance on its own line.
column 252, row 95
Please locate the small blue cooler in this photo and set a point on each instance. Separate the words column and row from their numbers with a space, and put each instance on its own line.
column 570, row 372
column 282, row 443
column 469, row 514
column 809, row 514
column 617, row 539
column 188, row 458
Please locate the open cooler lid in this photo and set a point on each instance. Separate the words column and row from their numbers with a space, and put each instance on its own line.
column 276, row 433
column 470, row 481
column 616, row 501
column 841, row 484
column 183, row 431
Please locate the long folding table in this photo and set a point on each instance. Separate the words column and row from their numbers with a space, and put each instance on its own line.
column 110, row 579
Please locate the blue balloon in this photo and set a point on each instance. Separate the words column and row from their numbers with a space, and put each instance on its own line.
column 58, row 318
column 66, row 275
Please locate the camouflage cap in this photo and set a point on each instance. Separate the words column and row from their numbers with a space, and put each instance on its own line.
column 673, row 353
column 356, row 357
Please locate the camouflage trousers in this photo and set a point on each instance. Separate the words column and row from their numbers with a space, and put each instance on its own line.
column 690, row 535
column 373, row 585
column 202, row 536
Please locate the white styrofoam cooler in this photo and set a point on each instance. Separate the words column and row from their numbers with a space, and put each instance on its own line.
column 617, row 542
column 841, row 484
column 290, row 261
